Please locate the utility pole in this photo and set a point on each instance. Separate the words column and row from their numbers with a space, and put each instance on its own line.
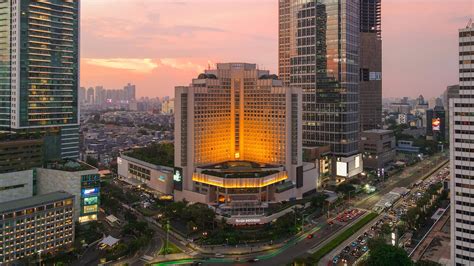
column 167, row 236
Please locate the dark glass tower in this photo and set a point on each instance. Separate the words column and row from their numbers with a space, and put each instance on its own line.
column 370, row 65
column 319, row 52
column 39, row 72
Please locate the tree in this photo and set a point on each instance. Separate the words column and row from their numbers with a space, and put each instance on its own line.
column 92, row 161
column 318, row 200
column 345, row 188
column 386, row 230
column 381, row 253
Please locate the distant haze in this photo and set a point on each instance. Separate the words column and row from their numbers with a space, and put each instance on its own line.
column 159, row 44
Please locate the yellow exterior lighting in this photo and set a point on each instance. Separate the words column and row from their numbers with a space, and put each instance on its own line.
column 240, row 182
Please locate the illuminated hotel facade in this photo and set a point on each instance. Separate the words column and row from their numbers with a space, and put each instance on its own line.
column 39, row 72
column 238, row 141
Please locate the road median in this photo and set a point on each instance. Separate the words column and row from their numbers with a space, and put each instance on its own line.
column 340, row 238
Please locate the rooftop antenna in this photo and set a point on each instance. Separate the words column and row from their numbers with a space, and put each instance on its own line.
column 469, row 24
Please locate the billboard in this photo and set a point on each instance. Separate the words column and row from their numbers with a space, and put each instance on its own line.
column 178, row 178
column 91, row 201
column 436, row 124
column 341, row 169
column 90, row 191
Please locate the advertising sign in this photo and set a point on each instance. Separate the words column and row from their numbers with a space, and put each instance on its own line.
column 90, row 191
column 436, row 124
column 178, row 178
column 90, row 200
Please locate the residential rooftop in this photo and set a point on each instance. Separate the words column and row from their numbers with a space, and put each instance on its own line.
column 34, row 201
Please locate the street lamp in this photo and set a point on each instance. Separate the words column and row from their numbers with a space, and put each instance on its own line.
column 39, row 254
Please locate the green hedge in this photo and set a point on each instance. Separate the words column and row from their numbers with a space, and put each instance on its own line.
column 318, row 255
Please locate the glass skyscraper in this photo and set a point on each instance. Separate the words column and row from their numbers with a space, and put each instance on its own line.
column 319, row 52
column 39, row 72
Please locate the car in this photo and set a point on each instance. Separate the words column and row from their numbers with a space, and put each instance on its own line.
column 363, row 241
column 310, row 236
column 354, row 244
column 218, row 255
column 253, row 260
column 365, row 249
column 346, row 249
column 335, row 260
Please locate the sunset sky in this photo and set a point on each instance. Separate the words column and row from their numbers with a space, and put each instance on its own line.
column 159, row 44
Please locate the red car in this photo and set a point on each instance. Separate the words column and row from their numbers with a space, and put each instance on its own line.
column 310, row 236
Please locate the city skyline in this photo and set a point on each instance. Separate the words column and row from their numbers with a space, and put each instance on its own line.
column 157, row 49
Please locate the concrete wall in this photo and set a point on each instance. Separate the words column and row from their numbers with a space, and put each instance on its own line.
column 13, row 179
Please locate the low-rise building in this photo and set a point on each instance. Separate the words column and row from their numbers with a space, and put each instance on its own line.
column 139, row 172
column 76, row 178
column 377, row 147
column 406, row 146
column 40, row 224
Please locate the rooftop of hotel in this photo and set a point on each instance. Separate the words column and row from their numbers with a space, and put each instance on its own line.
column 240, row 169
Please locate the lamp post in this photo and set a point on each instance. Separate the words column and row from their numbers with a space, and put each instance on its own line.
column 167, row 236
column 39, row 254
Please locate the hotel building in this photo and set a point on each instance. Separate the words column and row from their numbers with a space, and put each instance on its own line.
column 319, row 47
column 42, row 224
column 39, row 72
column 462, row 154
column 238, row 141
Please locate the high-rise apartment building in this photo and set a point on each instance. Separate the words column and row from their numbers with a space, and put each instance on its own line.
column 370, row 65
column 238, row 141
column 462, row 154
column 319, row 47
column 130, row 91
column 39, row 66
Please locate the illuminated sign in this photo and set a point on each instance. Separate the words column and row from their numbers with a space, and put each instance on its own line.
column 357, row 161
column 162, row 178
column 166, row 197
column 341, row 169
column 89, row 209
column 178, row 178
column 90, row 191
column 248, row 221
column 375, row 76
column 436, row 124
column 91, row 200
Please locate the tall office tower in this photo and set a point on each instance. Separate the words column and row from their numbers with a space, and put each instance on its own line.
column 462, row 154
column 129, row 91
column 370, row 65
column 319, row 48
column 238, row 140
column 39, row 65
